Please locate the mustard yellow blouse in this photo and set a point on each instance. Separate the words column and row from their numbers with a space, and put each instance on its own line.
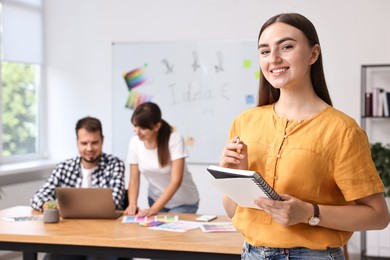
column 325, row 160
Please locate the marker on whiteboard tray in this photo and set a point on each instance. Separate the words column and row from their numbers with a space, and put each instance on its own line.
column 238, row 142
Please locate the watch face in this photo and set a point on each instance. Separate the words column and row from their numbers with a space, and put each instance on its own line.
column 314, row 221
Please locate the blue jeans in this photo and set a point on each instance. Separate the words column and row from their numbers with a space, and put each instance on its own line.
column 185, row 208
column 250, row 252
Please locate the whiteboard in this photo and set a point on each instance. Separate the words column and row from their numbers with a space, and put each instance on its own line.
column 200, row 86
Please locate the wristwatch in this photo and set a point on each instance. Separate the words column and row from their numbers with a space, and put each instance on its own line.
column 315, row 219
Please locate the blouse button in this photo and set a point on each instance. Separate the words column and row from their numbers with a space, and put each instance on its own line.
column 278, row 156
column 285, row 136
column 299, row 121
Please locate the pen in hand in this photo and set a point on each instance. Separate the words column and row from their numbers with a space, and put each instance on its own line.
column 238, row 142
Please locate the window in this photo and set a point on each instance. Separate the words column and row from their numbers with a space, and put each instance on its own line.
column 20, row 84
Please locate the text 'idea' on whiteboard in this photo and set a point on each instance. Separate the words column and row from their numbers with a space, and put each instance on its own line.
column 200, row 86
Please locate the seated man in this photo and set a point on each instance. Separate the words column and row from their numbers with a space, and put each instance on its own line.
column 92, row 168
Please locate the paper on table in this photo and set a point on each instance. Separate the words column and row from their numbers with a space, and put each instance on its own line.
column 218, row 227
column 178, row 226
column 24, row 218
column 162, row 218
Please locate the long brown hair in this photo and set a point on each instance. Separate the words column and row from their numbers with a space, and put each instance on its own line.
column 267, row 93
column 147, row 115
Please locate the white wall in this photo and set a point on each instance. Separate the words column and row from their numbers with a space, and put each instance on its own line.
column 78, row 52
column 18, row 193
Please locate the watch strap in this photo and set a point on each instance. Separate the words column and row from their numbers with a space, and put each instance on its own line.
column 315, row 219
column 316, row 210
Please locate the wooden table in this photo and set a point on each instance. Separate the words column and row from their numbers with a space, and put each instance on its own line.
column 112, row 237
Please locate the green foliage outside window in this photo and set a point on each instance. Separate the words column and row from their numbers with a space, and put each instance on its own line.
column 19, row 109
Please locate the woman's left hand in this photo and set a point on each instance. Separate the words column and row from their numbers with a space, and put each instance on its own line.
column 146, row 212
column 289, row 211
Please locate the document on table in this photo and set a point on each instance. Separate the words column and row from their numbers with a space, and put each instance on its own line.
column 218, row 227
column 162, row 218
column 178, row 226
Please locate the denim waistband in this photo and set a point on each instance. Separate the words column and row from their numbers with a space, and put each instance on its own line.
column 260, row 252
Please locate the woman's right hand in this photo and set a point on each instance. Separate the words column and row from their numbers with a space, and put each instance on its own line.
column 131, row 210
column 235, row 155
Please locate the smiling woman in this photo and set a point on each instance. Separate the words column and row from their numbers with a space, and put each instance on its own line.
column 326, row 178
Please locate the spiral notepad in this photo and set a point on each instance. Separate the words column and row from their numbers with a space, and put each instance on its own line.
column 268, row 190
column 242, row 186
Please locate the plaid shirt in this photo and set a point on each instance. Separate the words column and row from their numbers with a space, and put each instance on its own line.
column 110, row 173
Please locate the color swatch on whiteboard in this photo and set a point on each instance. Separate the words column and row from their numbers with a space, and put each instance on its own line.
column 247, row 64
column 135, row 98
column 249, row 99
column 135, row 78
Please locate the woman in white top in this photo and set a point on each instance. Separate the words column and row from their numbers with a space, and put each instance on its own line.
column 159, row 154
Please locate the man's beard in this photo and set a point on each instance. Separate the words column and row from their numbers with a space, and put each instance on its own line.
column 92, row 160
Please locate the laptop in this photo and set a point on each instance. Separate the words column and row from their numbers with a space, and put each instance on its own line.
column 86, row 203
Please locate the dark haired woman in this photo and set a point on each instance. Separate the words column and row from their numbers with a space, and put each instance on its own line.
column 159, row 154
column 316, row 157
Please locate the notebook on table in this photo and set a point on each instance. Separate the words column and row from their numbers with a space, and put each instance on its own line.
column 86, row 203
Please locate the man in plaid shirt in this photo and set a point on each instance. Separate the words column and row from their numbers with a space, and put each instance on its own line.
column 92, row 168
